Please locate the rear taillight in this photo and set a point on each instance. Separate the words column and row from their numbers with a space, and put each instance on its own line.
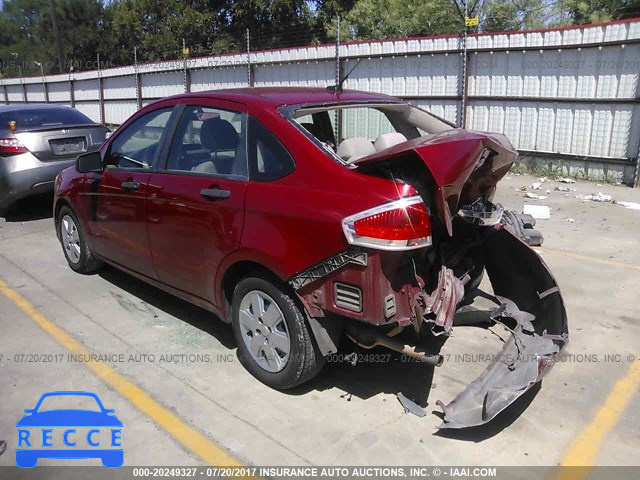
column 11, row 146
column 400, row 225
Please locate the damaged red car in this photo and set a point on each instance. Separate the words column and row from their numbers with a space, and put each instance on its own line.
column 303, row 215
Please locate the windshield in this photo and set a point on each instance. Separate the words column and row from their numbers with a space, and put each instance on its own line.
column 353, row 130
column 42, row 118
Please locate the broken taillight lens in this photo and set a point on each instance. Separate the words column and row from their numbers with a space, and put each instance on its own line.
column 11, row 146
column 400, row 225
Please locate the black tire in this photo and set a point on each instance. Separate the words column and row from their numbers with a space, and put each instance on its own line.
column 86, row 262
column 304, row 360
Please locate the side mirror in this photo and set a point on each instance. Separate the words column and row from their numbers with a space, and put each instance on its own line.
column 89, row 162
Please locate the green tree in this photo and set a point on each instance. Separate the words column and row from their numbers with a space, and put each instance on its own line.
column 592, row 11
column 372, row 19
column 81, row 27
column 326, row 16
column 27, row 30
column 271, row 23
column 19, row 46
column 505, row 15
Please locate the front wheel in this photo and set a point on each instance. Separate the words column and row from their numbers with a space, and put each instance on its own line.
column 274, row 341
column 74, row 243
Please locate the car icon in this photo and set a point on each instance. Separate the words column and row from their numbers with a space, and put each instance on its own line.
column 37, row 417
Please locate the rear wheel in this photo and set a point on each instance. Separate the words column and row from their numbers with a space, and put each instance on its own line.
column 274, row 342
column 74, row 243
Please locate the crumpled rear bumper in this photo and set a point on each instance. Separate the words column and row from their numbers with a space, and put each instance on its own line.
column 533, row 311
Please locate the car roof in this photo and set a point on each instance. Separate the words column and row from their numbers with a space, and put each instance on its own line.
column 280, row 96
column 69, row 393
column 30, row 106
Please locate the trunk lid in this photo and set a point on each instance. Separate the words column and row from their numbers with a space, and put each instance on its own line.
column 464, row 165
column 62, row 142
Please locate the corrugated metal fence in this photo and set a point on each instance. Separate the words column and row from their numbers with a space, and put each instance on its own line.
column 571, row 94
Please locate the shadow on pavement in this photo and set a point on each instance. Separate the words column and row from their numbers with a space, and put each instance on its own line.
column 377, row 370
column 198, row 317
column 30, row 209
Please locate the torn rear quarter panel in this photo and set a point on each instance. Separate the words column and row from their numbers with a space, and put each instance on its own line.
column 385, row 282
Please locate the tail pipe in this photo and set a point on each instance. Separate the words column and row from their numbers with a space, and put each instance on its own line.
column 368, row 337
column 394, row 344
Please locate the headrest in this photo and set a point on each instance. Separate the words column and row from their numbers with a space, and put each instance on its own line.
column 388, row 140
column 353, row 148
column 217, row 134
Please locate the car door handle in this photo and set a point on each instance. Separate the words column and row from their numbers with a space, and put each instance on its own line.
column 130, row 185
column 215, row 193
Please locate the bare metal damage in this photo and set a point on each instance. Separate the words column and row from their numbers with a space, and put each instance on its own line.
column 442, row 302
column 533, row 311
column 328, row 266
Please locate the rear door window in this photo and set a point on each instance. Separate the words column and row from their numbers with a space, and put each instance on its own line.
column 209, row 141
column 268, row 159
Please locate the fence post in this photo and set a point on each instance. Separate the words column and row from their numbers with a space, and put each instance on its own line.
column 338, row 54
column 137, row 79
column 338, row 112
column 100, row 91
column 465, row 58
column 187, row 76
column 6, row 97
column 24, row 88
column 72, row 96
column 250, row 71
column 636, row 179
column 44, row 83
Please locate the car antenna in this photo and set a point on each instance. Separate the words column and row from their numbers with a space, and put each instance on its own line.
column 338, row 88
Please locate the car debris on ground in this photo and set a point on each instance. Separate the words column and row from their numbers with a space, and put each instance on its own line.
column 541, row 212
column 599, row 197
column 630, row 205
column 534, row 196
column 522, row 225
column 410, row 406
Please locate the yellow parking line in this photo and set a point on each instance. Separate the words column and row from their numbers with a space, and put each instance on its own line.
column 189, row 437
column 588, row 258
column 583, row 450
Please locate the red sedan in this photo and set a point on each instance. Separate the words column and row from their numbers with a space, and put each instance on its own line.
column 301, row 215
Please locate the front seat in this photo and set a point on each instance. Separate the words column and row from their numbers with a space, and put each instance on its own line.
column 221, row 139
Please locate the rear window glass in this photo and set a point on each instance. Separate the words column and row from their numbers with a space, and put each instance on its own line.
column 67, row 402
column 42, row 118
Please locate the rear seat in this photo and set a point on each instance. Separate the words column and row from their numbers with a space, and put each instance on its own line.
column 351, row 149
column 388, row 140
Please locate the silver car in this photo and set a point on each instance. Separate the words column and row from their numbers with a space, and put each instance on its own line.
column 38, row 141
